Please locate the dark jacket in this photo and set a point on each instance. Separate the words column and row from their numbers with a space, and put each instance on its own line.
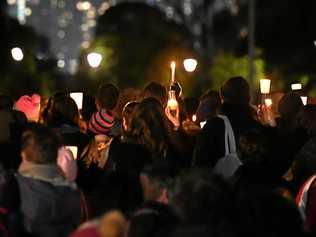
column 46, row 210
column 210, row 144
column 72, row 136
column 304, row 165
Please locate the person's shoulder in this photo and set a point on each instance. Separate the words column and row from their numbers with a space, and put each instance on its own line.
column 9, row 190
column 213, row 123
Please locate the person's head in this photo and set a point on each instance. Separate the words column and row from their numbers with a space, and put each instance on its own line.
column 63, row 111
column 88, row 107
column 40, row 145
column 126, row 95
column 30, row 106
column 236, row 91
column 209, row 104
column 149, row 126
column 289, row 106
column 156, row 180
column 112, row 224
column 266, row 214
column 107, row 96
column 127, row 114
column 6, row 102
column 200, row 198
column 255, row 147
column 152, row 222
column 157, row 91
column 49, row 105
column 307, row 118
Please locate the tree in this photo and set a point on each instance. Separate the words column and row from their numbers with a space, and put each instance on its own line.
column 138, row 43
column 227, row 65
column 23, row 77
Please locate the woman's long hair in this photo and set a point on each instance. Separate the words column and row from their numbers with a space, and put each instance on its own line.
column 149, row 127
column 61, row 110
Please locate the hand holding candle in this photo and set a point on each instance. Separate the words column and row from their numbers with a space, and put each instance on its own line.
column 172, row 109
column 172, row 101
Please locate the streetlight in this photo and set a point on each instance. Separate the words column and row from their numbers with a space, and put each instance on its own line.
column 94, row 59
column 17, row 54
column 190, row 64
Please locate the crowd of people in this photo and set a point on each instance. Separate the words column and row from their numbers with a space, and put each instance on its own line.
column 130, row 163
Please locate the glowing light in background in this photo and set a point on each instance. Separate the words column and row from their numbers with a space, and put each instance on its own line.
column 17, row 54
column 190, row 64
column 94, row 59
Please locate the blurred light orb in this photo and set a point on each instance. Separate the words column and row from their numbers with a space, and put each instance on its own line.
column 194, row 118
column 190, row 64
column 11, row 2
column 61, row 63
column 85, row 6
column 94, row 59
column 17, row 54
column 28, row 11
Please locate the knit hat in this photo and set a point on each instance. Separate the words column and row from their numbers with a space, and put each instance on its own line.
column 67, row 163
column 30, row 106
column 101, row 122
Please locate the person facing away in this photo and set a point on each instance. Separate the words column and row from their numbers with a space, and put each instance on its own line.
column 291, row 134
column 304, row 164
column 49, row 205
column 102, row 122
column 210, row 145
column 63, row 116
column 12, row 124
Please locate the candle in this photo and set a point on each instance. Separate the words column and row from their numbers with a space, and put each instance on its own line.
column 297, row 86
column 173, row 71
column 78, row 98
column 304, row 99
column 74, row 151
column 202, row 124
column 265, row 86
column 268, row 102
column 194, row 118
column 172, row 101
column 172, row 104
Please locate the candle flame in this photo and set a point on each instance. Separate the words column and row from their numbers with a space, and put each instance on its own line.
column 173, row 64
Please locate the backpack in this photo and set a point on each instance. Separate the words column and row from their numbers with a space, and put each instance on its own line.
column 229, row 163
